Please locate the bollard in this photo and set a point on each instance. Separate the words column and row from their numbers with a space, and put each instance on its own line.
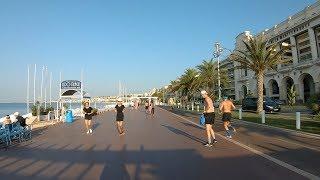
column 192, row 107
column 48, row 116
column 198, row 108
column 263, row 117
column 187, row 107
column 298, row 120
column 240, row 113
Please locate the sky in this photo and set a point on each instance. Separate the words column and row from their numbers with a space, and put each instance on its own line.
column 142, row 43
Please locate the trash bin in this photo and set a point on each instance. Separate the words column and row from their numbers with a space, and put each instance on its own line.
column 69, row 116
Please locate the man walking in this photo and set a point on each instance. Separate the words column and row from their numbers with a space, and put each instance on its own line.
column 226, row 107
column 209, row 118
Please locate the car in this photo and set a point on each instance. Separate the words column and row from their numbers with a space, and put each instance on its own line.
column 250, row 103
column 280, row 102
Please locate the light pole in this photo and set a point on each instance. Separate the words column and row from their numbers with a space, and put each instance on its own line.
column 164, row 91
column 217, row 52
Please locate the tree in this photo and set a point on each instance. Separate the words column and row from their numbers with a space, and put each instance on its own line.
column 208, row 76
column 159, row 94
column 292, row 94
column 258, row 56
column 184, row 85
column 187, row 81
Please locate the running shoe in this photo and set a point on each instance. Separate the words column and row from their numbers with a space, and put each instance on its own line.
column 228, row 134
column 90, row 131
column 208, row 145
column 233, row 129
column 215, row 141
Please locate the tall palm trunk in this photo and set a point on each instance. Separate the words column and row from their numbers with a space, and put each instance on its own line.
column 260, row 92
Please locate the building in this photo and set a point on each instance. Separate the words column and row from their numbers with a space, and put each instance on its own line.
column 229, row 90
column 301, row 34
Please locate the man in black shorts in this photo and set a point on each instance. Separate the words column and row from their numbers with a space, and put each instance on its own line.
column 209, row 118
column 226, row 107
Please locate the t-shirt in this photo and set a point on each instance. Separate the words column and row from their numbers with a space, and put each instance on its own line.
column 87, row 111
column 120, row 109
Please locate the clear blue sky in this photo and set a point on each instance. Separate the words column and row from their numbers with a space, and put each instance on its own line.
column 144, row 44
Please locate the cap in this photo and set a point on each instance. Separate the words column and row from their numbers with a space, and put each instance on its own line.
column 16, row 114
column 203, row 92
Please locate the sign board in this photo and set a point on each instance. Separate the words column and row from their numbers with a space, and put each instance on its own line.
column 71, row 84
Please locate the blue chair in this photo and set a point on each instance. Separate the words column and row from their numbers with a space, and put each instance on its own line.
column 15, row 131
column 4, row 136
column 26, row 133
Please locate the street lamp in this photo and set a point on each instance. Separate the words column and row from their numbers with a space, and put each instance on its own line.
column 165, row 88
column 216, row 54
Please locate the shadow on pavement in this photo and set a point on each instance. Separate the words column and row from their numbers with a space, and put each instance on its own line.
column 179, row 132
column 81, row 163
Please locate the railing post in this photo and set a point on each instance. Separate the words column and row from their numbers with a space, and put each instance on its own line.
column 298, row 120
column 240, row 113
column 188, row 107
column 192, row 107
column 263, row 117
column 198, row 108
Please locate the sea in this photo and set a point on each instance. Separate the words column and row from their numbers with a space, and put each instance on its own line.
column 10, row 108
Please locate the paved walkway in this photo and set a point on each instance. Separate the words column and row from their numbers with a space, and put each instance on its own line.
column 163, row 147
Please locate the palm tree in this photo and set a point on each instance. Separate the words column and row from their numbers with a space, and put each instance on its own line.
column 186, row 82
column 208, row 74
column 258, row 57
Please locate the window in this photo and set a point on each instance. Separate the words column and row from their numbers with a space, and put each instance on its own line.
column 317, row 34
column 303, row 47
column 287, row 56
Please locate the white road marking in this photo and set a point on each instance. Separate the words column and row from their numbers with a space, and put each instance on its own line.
column 277, row 161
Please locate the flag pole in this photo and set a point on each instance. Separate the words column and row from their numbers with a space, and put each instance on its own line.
column 28, row 89
column 34, row 84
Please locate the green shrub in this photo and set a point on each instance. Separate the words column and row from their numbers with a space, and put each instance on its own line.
column 315, row 107
column 34, row 110
column 317, row 116
column 313, row 103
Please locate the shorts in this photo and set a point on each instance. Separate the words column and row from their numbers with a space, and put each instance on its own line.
column 152, row 110
column 226, row 117
column 120, row 117
column 88, row 117
column 147, row 107
column 209, row 117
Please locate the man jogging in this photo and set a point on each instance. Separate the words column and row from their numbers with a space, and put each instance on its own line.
column 226, row 107
column 209, row 118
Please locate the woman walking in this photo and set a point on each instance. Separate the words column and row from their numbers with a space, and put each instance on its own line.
column 120, row 116
column 88, row 112
column 152, row 108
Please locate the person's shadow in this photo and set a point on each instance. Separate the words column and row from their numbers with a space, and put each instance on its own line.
column 182, row 133
column 95, row 125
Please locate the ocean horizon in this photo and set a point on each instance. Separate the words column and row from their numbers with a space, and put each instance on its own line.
column 10, row 108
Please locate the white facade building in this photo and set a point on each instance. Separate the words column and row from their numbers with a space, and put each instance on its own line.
column 302, row 33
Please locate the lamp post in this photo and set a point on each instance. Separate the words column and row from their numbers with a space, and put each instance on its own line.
column 217, row 52
column 164, row 91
